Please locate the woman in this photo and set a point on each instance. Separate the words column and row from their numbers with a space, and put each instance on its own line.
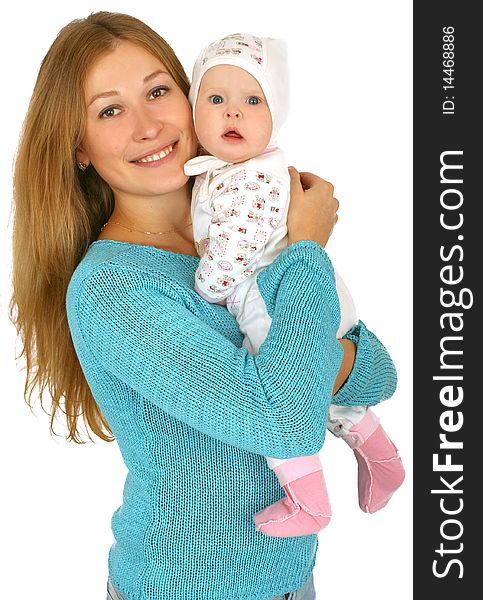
column 102, row 215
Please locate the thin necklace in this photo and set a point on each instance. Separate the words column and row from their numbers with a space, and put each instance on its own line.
column 146, row 232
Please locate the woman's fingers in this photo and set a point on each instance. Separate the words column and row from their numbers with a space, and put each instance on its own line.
column 310, row 180
column 313, row 208
column 295, row 183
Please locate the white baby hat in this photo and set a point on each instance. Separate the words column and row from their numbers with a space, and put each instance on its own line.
column 264, row 58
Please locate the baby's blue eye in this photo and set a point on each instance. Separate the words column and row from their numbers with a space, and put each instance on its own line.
column 216, row 99
column 253, row 100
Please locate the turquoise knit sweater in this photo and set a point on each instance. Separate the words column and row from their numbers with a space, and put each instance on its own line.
column 195, row 414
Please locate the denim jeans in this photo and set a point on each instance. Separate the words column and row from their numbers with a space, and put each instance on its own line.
column 306, row 592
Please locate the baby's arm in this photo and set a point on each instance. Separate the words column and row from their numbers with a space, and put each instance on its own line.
column 244, row 216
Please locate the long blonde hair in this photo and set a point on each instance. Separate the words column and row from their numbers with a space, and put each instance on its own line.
column 60, row 210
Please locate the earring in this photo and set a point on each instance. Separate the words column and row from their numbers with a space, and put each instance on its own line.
column 82, row 166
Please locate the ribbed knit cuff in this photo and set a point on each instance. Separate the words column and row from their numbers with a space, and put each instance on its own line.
column 373, row 377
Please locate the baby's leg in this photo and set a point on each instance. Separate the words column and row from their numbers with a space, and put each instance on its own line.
column 380, row 470
column 247, row 305
column 348, row 313
column 342, row 418
column 306, row 507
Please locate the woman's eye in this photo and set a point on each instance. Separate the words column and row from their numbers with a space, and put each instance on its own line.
column 216, row 99
column 158, row 91
column 111, row 111
column 253, row 100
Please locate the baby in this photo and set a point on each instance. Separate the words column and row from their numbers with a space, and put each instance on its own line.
column 239, row 209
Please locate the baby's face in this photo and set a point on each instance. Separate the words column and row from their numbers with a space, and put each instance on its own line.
column 232, row 118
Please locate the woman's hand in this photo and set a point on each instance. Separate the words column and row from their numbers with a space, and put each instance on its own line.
column 313, row 209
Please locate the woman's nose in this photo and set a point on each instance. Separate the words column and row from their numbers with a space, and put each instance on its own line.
column 146, row 126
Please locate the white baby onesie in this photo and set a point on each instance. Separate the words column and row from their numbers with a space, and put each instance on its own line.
column 239, row 214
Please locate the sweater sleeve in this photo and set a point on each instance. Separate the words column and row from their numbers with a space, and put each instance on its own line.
column 274, row 404
column 238, row 233
column 373, row 377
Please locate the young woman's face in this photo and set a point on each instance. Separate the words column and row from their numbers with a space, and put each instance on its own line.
column 139, row 130
column 233, row 121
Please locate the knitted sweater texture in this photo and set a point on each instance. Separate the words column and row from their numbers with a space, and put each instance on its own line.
column 194, row 414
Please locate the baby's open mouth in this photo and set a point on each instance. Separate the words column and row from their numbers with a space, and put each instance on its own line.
column 233, row 134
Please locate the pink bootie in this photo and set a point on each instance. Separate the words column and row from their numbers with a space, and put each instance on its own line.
column 380, row 468
column 305, row 509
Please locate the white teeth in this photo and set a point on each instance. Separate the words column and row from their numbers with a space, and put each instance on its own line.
column 158, row 156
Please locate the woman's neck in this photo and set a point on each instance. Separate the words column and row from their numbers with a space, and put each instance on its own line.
column 163, row 222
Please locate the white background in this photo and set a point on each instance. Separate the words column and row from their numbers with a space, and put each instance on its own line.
column 350, row 122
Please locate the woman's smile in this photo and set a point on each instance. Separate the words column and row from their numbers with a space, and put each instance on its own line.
column 157, row 157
